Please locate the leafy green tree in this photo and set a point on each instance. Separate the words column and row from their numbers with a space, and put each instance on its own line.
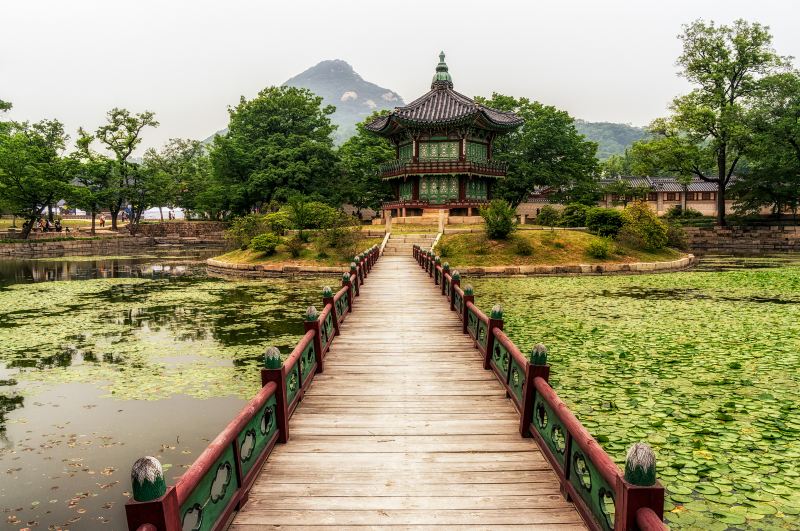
column 360, row 157
column 707, row 135
column 33, row 172
column 92, row 175
column 546, row 151
column 625, row 190
column 773, row 179
column 180, row 171
column 278, row 144
column 121, row 136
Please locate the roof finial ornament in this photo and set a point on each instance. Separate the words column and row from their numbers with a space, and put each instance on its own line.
column 442, row 79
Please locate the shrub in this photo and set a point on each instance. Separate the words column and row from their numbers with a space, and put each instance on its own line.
column 295, row 246
column 523, row 246
column 677, row 212
column 600, row 249
column 278, row 222
column 444, row 249
column 676, row 237
column 244, row 228
column 265, row 243
column 548, row 216
column 500, row 219
column 605, row 222
column 574, row 215
column 642, row 227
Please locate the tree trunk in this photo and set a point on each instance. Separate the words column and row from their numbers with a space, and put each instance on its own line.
column 685, row 193
column 161, row 212
column 27, row 226
column 722, row 168
column 94, row 215
column 114, row 220
column 50, row 213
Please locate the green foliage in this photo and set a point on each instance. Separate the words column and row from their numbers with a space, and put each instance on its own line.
column 574, row 215
column 642, row 229
column 546, row 151
column 549, row 216
column 360, row 157
column 277, row 145
column 522, row 246
column 600, row 249
column 678, row 212
column 265, row 243
column 500, row 219
column 444, row 249
column 708, row 133
column 625, row 190
column 604, row 221
column 295, row 246
column 245, row 228
column 612, row 138
column 676, row 237
column 278, row 222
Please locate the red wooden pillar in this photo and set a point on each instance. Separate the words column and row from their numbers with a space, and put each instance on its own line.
column 529, row 394
column 632, row 498
column 494, row 324
column 278, row 376
column 467, row 298
column 162, row 513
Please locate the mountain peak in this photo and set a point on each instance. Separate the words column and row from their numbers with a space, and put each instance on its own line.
column 341, row 86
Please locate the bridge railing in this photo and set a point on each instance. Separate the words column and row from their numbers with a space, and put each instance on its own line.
column 607, row 498
column 218, row 483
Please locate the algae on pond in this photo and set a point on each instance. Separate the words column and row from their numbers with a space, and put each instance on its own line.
column 709, row 377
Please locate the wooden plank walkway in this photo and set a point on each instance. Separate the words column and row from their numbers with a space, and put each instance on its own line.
column 405, row 429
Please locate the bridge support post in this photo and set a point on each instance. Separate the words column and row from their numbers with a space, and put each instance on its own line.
column 495, row 323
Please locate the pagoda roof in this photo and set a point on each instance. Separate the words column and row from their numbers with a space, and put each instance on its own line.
column 443, row 106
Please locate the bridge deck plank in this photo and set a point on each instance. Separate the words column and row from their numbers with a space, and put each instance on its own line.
column 405, row 430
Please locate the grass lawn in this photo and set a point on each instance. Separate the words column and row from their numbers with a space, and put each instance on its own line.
column 308, row 256
column 548, row 248
column 6, row 223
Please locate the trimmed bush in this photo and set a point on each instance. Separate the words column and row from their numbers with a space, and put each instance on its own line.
column 600, row 249
column 522, row 246
column 245, row 228
column 548, row 216
column 605, row 222
column 642, row 227
column 278, row 222
column 295, row 246
column 265, row 243
column 574, row 215
column 677, row 212
column 500, row 219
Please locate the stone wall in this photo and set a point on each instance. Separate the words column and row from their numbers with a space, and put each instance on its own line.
column 115, row 245
column 183, row 229
column 750, row 240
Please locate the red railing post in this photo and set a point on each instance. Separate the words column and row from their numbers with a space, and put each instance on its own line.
column 465, row 316
column 495, row 323
column 311, row 322
column 632, row 498
column 163, row 512
column 537, row 368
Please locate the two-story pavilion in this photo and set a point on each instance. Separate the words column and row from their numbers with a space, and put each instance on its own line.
column 444, row 151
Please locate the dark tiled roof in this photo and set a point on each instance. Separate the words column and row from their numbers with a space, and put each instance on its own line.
column 666, row 184
column 444, row 106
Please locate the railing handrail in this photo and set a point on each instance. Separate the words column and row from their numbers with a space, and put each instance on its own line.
column 297, row 352
column 512, row 349
column 477, row 311
column 190, row 479
column 648, row 520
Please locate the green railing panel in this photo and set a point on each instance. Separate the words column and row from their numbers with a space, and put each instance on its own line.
column 550, row 428
column 292, row 383
column 458, row 303
column 307, row 360
column 448, row 287
column 592, row 488
column 500, row 359
column 341, row 305
column 208, row 500
column 483, row 334
column 516, row 380
column 472, row 323
column 326, row 330
column 254, row 437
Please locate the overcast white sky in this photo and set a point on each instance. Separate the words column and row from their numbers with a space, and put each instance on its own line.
column 601, row 60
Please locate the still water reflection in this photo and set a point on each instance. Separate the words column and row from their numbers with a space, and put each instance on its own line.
column 137, row 355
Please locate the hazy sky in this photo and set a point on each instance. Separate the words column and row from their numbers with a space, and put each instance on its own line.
column 611, row 60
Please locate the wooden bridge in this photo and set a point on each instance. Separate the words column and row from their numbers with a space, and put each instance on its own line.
column 403, row 427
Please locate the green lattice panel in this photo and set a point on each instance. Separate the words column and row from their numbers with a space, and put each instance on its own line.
column 406, row 151
column 458, row 303
column 448, row 287
column 477, row 151
column 326, row 330
column 341, row 305
column 254, row 437
column 592, row 488
column 500, row 359
column 406, row 190
column 213, row 492
column 472, row 324
column 307, row 360
column 549, row 427
column 293, row 382
column 516, row 380
column 476, row 189
column 438, row 150
column 482, row 336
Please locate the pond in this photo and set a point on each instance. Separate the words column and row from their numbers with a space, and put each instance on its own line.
column 703, row 365
column 124, row 357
